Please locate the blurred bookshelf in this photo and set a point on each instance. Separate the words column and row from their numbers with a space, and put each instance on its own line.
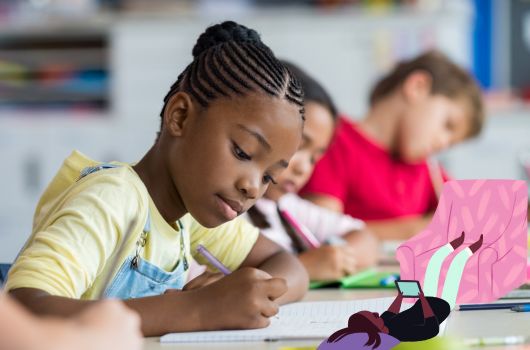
column 60, row 69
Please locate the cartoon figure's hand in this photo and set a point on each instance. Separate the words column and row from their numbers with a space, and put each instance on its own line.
column 203, row 280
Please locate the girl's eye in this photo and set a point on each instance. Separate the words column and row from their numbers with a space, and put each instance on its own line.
column 268, row 179
column 240, row 154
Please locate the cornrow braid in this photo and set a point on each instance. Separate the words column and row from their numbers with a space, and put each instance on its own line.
column 230, row 59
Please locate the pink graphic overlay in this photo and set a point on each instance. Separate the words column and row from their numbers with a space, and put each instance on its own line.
column 496, row 209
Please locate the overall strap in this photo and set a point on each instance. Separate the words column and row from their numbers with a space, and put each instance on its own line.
column 92, row 169
column 140, row 243
column 183, row 249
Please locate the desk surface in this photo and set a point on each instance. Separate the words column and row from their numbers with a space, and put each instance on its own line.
column 466, row 323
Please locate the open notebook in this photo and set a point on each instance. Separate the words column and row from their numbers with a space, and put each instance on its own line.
column 304, row 320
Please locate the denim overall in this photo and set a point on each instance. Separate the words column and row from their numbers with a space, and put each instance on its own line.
column 138, row 277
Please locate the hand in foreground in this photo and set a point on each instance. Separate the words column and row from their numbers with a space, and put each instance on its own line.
column 108, row 324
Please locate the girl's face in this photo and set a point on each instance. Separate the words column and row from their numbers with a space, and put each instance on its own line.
column 229, row 153
column 431, row 124
column 317, row 133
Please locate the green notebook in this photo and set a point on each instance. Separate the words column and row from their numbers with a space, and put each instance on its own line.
column 365, row 279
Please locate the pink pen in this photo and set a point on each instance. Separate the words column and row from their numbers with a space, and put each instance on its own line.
column 303, row 231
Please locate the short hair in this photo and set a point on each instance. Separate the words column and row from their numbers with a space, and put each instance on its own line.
column 448, row 79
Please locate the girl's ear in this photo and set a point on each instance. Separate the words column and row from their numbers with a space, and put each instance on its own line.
column 417, row 85
column 177, row 113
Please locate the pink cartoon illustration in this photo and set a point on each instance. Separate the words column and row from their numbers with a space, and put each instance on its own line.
column 369, row 330
column 495, row 210
column 474, row 250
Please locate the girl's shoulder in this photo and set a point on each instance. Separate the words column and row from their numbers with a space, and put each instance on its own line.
column 118, row 183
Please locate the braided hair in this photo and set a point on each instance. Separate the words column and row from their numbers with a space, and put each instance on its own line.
column 230, row 59
column 313, row 92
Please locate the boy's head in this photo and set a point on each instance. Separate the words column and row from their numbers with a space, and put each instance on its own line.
column 230, row 124
column 439, row 104
column 320, row 116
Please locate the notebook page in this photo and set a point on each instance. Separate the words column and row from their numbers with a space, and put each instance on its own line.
column 303, row 320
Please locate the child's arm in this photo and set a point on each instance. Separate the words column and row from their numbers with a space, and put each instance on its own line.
column 325, row 201
column 332, row 262
column 107, row 325
column 329, row 262
column 244, row 299
column 271, row 258
column 18, row 330
column 399, row 229
column 366, row 246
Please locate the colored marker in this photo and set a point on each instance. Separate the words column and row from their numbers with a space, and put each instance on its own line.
column 212, row 259
column 302, row 231
column 494, row 306
column 521, row 308
column 389, row 280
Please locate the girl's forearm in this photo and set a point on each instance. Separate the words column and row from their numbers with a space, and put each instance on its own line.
column 158, row 314
column 18, row 329
column 426, row 307
column 398, row 229
column 396, row 304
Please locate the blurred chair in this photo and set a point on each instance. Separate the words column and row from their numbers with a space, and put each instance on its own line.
column 495, row 208
column 4, row 268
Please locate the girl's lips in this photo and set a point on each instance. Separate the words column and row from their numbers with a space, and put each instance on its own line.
column 229, row 209
column 288, row 187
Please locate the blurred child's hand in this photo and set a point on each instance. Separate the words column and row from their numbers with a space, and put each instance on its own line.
column 109, row 324
column 242, row 300
column 203, row 280
column 329, row 262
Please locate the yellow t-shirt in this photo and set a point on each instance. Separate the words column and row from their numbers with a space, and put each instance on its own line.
column 78, row 227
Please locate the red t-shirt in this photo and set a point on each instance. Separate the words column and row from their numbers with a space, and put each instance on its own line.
column 370, row 183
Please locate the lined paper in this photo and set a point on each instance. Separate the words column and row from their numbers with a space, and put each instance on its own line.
column 303, row 320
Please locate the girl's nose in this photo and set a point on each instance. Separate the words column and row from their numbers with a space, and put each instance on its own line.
column 301, row 164
column 249, row 186
column 442, row 142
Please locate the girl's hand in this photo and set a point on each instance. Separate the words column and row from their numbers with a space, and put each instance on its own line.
column 242, row 300
column 203, row 280
column 329, row 262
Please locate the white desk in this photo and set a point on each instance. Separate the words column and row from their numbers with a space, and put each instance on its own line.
column 460, row 323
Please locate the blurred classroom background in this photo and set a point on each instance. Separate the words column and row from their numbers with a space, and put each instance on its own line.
column 91, row 75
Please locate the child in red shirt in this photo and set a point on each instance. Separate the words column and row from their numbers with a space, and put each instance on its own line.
column 378, row 169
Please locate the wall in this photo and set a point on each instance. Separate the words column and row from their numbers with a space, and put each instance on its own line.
column 346, row 51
